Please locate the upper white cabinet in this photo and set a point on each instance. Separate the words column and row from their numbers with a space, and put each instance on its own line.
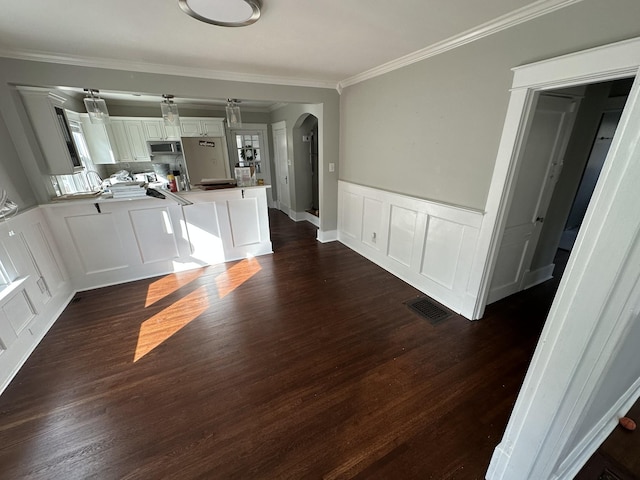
column 155, row 129
column 131, row 143
column 100, row 141
column 124, row 139
column 202, row 127
column 50, row 125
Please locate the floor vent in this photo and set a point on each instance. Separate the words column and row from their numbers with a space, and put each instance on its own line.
column 428, row 310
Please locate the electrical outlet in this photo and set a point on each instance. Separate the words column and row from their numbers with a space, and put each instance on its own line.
column 332, row 167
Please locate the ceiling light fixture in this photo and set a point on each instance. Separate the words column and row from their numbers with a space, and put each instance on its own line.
column 96, row 106
column 234, row 119
column 224, row 13
column 169, row 111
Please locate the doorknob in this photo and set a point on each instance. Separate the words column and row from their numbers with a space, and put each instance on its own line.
column 540, row 219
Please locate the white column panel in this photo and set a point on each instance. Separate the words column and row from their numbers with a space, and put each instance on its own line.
column 155, row 234
column 97, row 242
column 245, row 221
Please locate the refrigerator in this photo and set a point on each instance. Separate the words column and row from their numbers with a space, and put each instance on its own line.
column 205, row 157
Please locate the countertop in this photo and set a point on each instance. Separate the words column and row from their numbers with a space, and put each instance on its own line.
column 177, row 197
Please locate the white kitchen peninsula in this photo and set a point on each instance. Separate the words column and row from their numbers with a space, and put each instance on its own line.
column 107, row 241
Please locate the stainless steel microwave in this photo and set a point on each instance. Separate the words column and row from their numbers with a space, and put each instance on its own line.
column 165, row 147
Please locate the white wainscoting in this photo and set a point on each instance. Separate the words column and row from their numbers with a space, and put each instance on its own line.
column 427, row 244
column 31, row 303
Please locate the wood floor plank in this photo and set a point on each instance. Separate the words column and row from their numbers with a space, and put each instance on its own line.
column 302, row 364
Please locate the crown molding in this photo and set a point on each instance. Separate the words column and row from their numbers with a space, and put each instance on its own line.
column 522, row 15
column 112, row 64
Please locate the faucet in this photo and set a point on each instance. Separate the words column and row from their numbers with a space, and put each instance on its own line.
column 97, row 175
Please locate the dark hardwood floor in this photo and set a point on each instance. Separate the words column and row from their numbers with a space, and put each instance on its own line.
column 301, row 364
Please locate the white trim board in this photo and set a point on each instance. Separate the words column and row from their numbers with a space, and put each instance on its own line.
column 522, row 15
column 558, row 414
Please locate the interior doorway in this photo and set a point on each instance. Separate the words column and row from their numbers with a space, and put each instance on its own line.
column 305, row 134
column 569, row 135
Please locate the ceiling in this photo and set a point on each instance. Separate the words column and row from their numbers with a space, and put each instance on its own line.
column 295, row 42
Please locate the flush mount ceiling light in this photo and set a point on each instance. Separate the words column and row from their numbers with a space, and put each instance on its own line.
column 169, row 111
column 224, row 13
column 233, row 113
column 96, row 106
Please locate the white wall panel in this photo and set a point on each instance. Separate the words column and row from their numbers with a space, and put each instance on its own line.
column 429, row 245
column 351, row 213
column 442, row 251
column 372, row 223
column 19, row 311
column 402, row 231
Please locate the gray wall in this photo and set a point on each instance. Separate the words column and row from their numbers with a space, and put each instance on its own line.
column 12, row 176
column 432, row 129
column 20, row 72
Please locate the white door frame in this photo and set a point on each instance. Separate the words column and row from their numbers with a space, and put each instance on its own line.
column 610, row 62
column 548, row 435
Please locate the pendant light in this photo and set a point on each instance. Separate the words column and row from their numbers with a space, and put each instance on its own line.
column 234, row 119
column 96, row 106
column 169, row 111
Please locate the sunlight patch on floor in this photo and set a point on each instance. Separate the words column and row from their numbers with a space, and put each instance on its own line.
column 235, row 276
column 172, row 319
column 169, row 284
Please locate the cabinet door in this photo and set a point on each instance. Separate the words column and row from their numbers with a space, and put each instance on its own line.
column 98, row 142
column 190, row 127
column 124, row 153
column 172, row 132
column 137, row 142
column 212, row 127
column 153, row 129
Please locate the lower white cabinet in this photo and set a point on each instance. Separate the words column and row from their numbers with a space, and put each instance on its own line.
column 116, row 241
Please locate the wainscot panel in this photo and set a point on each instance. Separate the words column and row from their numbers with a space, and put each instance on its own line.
column 38, row 291
column 427, row 244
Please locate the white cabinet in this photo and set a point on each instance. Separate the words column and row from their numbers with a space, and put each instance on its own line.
column 155, row 129
column 100, row 141
column 205, row 127
column 190, row 127
column 135, row 134
column 130, row 140
column 50, row 125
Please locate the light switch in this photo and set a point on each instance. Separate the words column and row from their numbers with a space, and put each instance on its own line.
column 332, row 167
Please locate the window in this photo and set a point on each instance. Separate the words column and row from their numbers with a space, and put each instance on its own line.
column 78, row 182
column 249, row 151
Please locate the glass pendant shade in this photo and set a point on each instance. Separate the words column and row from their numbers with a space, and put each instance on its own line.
column 96, row 108
column 234, row 119
column 169, row 111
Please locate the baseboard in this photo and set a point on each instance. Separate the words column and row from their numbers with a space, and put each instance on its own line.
column 538, row 276
column 304, row 217
column 326, row 236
